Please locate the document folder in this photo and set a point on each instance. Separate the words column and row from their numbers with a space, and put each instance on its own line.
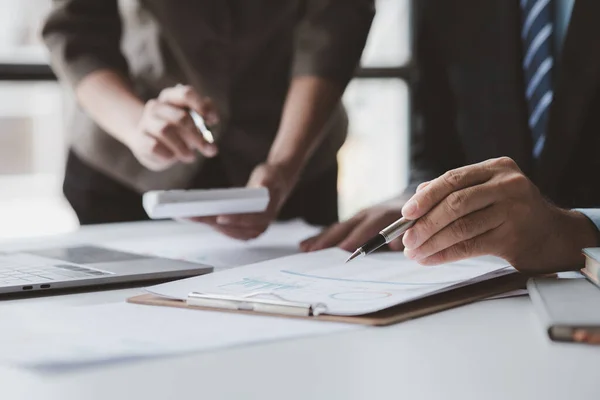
column 402, row 312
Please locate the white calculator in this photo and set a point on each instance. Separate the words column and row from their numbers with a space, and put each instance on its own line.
column 160, row 204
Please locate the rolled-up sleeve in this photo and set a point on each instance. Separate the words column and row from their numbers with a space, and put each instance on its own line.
column 84, row 36
column 330, row 38
column 593, row 214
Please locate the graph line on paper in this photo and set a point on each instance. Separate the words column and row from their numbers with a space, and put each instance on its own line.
column 257, row 284
column 329, row 278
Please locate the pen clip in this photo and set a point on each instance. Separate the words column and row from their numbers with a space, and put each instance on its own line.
column 244, row 303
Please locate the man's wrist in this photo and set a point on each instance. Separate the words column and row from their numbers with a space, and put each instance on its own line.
column 289, row 173
column 289, row 165
column 588, row 228
column 578, row 232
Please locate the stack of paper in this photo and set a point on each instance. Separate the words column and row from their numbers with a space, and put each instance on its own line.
column 323, row 278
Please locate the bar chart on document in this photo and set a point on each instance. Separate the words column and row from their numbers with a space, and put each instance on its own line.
column 363, row 286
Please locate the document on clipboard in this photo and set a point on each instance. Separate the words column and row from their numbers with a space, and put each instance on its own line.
column 322, row 284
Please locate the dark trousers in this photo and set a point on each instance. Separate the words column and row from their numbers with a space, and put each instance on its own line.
column 98, row 199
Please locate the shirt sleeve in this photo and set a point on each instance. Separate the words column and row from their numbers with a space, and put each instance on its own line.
column 330, row 38
column 593, row 214
column 84, row 36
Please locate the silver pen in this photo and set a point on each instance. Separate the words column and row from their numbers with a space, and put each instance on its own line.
column 385, row 236
column 201, row 126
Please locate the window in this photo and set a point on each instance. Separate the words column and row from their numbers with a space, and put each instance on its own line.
column 32, row 128
column 374, row 160
column 33, row 141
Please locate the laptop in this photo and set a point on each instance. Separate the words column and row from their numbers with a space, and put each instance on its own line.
column 73, row 267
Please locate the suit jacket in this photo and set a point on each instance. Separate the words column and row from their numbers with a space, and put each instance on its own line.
column 240, row 53
column 469, row 101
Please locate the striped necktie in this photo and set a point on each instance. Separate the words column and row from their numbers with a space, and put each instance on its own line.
column 538, row 61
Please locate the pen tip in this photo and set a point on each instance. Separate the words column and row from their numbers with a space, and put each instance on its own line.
column 354, row 255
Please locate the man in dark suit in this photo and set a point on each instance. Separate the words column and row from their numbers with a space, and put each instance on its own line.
column 499, row 78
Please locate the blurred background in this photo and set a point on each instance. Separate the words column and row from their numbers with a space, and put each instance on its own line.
column 33, row 115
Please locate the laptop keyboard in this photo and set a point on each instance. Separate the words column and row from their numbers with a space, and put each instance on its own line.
column 12, row 274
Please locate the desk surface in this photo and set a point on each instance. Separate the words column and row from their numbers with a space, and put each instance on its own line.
column 489, row 350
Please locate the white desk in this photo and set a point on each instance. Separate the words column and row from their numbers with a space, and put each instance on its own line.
column 489, row 350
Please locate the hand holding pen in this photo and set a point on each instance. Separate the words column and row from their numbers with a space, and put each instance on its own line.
column 172, row 128
column 385, row 236
column 492, row 208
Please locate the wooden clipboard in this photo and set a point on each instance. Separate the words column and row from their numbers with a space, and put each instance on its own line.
column 393, row 315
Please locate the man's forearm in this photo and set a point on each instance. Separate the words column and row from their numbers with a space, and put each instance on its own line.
column 108, row 98
column 308, row 107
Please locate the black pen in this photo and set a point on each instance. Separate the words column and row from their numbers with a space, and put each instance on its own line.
column 385, row 236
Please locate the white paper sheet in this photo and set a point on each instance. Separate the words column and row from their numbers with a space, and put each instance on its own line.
column 92, row 335
column 363, row 286
column 212, row 248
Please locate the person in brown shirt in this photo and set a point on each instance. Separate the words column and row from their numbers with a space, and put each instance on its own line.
column 267, row 75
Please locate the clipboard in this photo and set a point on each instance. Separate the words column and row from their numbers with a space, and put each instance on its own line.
column 393, row 315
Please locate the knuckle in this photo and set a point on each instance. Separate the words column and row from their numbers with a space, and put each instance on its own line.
column 471, row 247
column 453, row 178
column 466, row 248
column 164, row 93
column 151, row 104
column 425, row 224
column 187, row 91
column 421, row 186
column 460, row 228
column 454, row 202
column 517, row 183
column 505, row 162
